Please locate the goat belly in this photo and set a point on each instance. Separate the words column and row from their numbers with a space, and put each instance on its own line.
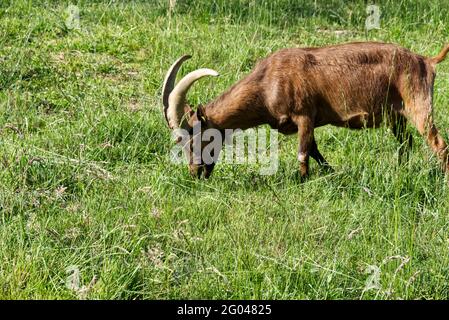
column 359, row 121
column 285, row 126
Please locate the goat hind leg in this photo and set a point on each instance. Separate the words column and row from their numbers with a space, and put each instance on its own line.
column 426, row 127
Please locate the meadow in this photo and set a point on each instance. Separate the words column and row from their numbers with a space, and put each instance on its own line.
column 92, row 208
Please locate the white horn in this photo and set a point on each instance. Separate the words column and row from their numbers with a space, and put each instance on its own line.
column 169, row 81
column 177, row 97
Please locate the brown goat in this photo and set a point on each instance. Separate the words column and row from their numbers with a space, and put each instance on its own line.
column 354, row 85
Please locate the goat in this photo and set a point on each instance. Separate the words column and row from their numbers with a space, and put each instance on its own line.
column 354, row 85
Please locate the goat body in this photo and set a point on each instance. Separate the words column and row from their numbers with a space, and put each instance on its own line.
column 354, row 85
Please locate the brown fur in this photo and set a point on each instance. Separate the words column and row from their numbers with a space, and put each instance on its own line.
column 352, row 85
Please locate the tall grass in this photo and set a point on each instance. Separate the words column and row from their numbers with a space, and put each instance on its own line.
column 90, row 206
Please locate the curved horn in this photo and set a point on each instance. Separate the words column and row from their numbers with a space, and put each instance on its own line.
column 169, row 81
column 176, row 99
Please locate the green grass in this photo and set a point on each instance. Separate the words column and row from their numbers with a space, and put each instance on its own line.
column 85, row 180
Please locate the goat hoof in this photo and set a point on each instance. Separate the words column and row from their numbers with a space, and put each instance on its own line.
column 301, row 177
column 327, row 168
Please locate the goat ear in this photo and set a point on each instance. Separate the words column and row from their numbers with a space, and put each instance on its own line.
column 200, row 114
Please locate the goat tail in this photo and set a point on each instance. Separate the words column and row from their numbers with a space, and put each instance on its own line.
column 442, row 55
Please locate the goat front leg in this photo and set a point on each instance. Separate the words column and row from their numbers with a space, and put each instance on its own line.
column 305, row 135
column 318, row 157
